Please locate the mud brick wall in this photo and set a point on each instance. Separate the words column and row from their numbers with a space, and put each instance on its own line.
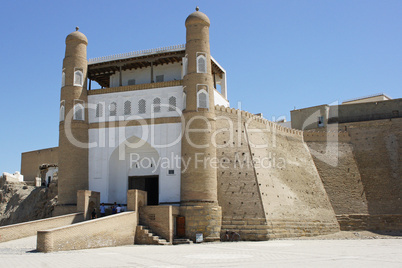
column 114, row 230
column 339, row 172
column 271, row 176
column 30, row 161
column 378, row 152
column 20, row 230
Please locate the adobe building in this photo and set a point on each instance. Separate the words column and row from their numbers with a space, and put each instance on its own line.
column 161, row 122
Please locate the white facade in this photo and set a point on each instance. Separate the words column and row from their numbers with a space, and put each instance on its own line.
column 121, row 152
column 149, row 95
column 126, row 143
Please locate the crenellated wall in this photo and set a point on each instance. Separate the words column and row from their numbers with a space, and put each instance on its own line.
column 269, row 187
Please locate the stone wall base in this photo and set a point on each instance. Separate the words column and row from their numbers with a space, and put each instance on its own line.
column 60, row 210
column 359, row 222
column 205, row 219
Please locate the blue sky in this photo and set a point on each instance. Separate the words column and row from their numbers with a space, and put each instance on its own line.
column 278, row 54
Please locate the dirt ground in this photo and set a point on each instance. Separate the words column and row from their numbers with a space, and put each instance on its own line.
column 348, row 235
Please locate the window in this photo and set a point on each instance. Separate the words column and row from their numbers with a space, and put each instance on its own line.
column 157, row 105
column 172, row 104
column 185, row 64
column 78, row 110
column 170, row 171
column 63, row 79
column 159, row 78
column 78, row 78
column 184, row 100
column 131, row 82
column 62, row 111
column 127, row 107
column 321, row 121
column 141, row 106
column 202, row 99
column 112, row 109
column 201, row 63
column 99, row 110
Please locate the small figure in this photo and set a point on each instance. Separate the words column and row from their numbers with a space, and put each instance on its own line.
column 94, row 216
column 118, row 209
column 114, row 208
column 102, row 210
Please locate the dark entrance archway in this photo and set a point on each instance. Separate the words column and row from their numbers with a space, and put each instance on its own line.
column 150, row 184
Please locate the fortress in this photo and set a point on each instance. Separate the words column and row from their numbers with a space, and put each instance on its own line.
column 162, row 123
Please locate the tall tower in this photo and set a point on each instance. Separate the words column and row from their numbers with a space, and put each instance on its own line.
column 199, row 201
column 73, row 127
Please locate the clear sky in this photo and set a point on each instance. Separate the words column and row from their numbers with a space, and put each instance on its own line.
column 278, row 54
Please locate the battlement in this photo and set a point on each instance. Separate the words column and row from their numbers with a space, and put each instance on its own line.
column 259, row 119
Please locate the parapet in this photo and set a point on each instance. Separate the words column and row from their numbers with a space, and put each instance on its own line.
column 257, row 118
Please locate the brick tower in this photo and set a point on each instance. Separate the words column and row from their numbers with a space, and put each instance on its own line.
column 199, row 201
column 73, row 127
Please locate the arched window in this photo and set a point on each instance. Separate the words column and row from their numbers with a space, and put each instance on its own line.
column 157, row 105
column 201, row 64
column 184, row 100
column 78, row 78
column 112, row 109
column 62, row 112
column 172, row 104
column 99, row 110
column 127, row 107
column 141, row 106
column 63, row 79
column 202, row 99
column 78, row 111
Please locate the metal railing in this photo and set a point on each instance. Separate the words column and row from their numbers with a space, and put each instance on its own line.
column 136, row 53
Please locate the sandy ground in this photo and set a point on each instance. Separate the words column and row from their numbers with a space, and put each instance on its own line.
column 343, row 249
column 347, row 235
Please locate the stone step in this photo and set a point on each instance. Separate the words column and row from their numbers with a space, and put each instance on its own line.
column 180, row 241
column 150, row 239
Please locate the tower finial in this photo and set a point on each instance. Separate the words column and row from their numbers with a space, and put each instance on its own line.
column 77, row 28
column 197, row 8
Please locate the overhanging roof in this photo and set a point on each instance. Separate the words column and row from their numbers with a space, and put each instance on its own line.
column 100, row 69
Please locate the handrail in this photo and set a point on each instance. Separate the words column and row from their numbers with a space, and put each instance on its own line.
column 136, row 53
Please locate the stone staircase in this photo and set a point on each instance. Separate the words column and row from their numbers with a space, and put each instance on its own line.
column 143, row 236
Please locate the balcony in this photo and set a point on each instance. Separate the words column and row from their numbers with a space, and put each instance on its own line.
column 173, row 83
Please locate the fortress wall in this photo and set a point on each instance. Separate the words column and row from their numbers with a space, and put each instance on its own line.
column 338, row 170
column 279, row 187
column 362, row 175
column 295, row 201
column 238, row 194
column 378, row 152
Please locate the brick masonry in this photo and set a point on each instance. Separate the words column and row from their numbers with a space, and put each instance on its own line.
column 365, row 186
column 30, row 228
column 114, row 230
column 272, row 188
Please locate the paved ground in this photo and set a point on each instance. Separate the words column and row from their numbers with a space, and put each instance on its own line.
column 280, row 253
